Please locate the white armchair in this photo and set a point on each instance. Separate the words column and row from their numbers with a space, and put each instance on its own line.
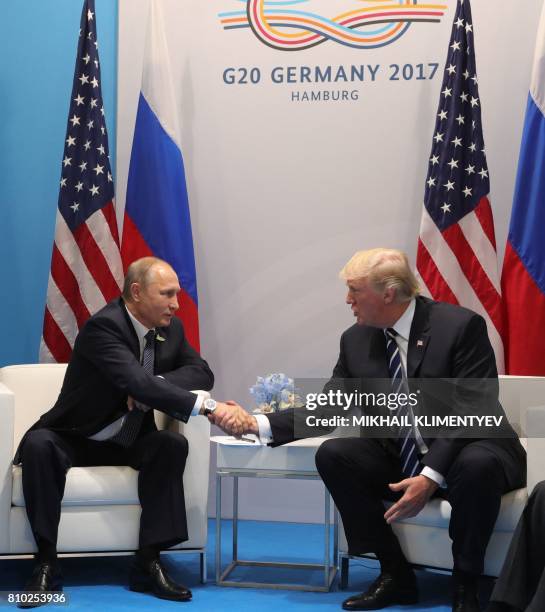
column 424, row 538
column 100, row 510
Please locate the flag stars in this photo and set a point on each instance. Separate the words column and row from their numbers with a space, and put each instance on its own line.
column 94, row 103
column 438, row 137
column 474, row 79
column 96, row 63
column 431, row 182
column 464, row 96
column 75, row 207
column 103, row 130
column 101, row 150
column 74, row 120
column 94, row 82
column 457, row 142
column 110, row 178
column 67, row 161
column 483, row 173
column 446, row 207
column 470, row 169
column 87, row 145
column 90, row 124
column 443, row 115
column 102, row 111
column 467, row 192
column 453, row 163
column 460, row 119
column 94, row 190
column 474, row 102
column 459, row 23
column 83, row 166
column 79, row 186
column 466, row 74
column 469, row 28
column 434, row 160
column 99, row 169
column 472, row 147
column 90, row 15
column 455, row 46
column 87, row 58
column 451, row 69
column 449, row 185
column 84, row 79
column 70, row 141
column 447, row 92
column 79, row 100
column 63, row 182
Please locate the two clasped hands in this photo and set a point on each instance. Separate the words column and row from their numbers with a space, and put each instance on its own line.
column 233, row 419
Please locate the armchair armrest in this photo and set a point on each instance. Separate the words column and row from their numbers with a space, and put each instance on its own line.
column 535, row 424
column 7, row 416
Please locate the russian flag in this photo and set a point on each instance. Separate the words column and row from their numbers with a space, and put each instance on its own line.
column 157, row 220
column 523, row 276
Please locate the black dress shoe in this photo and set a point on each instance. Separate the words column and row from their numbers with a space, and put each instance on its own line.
column 153, row 578
column 465, row 599
column 46, row 577
column 386, row 590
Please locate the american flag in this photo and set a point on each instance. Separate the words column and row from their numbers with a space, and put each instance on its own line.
column 456, row 258
column 86, row 270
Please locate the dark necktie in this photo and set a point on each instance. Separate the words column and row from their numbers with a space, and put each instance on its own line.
column 406, row 444
column 133, row 420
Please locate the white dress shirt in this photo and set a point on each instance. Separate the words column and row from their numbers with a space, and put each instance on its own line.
column 113, row 428
column 403, row 328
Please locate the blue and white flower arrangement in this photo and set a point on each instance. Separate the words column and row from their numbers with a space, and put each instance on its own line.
column 275, row 392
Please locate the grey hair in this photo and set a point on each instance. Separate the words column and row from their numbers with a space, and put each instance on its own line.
column 139, row 271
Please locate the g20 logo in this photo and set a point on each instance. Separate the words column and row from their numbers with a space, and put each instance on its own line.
column 380, row 23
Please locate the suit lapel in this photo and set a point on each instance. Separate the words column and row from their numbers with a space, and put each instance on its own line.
column 418, row 338
column 377, row 355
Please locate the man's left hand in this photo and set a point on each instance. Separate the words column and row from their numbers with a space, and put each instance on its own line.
column 417, row 491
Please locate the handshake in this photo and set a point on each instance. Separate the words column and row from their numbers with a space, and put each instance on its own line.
column 233, row 419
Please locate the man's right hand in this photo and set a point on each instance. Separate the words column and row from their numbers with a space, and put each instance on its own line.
column 233, row 419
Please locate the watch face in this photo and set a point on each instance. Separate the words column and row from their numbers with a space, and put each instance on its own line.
column 210, row 404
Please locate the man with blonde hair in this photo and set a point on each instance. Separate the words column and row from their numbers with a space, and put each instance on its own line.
column 403, row 337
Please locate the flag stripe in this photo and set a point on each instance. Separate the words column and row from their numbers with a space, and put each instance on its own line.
column 94, row 259
column 449, row 267
column 436, row 285
column 486, row 219
column 474, row 273
column 68, row 285
column 55, row 340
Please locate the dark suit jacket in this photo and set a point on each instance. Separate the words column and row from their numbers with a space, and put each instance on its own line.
column 446, row 342
column 105, row 369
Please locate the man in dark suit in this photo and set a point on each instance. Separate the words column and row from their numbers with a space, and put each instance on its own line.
column 128, row 358
column 402, row 337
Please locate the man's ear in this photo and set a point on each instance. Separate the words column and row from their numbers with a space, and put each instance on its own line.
column 389, row 295
column 135, row 292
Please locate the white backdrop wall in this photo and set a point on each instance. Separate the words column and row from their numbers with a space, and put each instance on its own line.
column 282, row 191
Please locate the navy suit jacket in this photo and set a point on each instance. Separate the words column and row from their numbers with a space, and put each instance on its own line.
column 445, row 342
column 105, row 369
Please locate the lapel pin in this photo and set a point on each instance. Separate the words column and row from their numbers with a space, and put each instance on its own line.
column 419, row 343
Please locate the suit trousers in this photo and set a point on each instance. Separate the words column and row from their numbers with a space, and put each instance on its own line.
column 159, row 457
column 521, row 583
column 357, row 472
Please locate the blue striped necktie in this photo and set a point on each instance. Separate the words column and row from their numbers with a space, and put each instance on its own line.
column 410, row 465
column 133, row 420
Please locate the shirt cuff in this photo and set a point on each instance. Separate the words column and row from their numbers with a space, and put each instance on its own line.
column 433, row 475
column 264, row 427
column 198, row 404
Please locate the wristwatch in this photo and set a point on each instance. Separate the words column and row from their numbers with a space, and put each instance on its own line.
column 208, row 406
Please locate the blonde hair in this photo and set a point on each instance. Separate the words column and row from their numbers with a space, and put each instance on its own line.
column 139, row 271
column 385, row 269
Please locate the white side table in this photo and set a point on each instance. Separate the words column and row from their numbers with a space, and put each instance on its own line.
column 294, row 460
